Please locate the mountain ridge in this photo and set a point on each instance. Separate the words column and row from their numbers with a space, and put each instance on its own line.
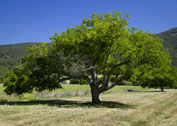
column 170, row 43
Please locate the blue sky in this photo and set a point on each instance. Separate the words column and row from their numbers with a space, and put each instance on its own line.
column 38, row 20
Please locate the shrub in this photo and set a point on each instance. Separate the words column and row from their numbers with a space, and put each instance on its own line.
column 3, row 100
column 78, row 81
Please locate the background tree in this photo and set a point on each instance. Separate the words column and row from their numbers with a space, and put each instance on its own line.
column 156, row 74
column 162, row 79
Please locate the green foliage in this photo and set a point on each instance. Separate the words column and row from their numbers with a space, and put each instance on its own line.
column 100, row 48
column 10, row 56
column 17, row 82
column 3, row 70
column 34, row 74
column 161, row 79
column 154, row 67
column 170, row 43
column 78, row 81
column 41, row 68
column 104, row 45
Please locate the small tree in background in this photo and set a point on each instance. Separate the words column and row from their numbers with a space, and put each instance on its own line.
column 159, row 76
column 162, row 79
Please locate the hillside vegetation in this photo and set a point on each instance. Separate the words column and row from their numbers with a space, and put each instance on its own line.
column 10, row 56
column 170, row 43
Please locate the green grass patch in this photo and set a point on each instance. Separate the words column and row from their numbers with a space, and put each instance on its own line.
column 124, row 88
column 66, row 88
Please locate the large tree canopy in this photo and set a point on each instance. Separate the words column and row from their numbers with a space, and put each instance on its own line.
column 102, row 47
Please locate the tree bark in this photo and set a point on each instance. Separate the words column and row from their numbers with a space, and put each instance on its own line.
column 95, row 96
column 94, row 88
column 95, row 93
column 161, row 88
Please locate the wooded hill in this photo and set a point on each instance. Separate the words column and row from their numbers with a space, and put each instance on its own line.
column 10, row 54
column 170, row 43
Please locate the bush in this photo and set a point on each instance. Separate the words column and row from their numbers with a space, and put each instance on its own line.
column 78, row 81
column 3, row 100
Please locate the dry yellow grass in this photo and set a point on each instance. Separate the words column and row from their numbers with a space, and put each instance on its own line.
column 118, row 109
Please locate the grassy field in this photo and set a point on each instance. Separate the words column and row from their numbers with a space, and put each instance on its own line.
column 65, row 91
column 119, row 108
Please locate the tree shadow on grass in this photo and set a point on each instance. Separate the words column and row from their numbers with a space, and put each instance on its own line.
column 70, row 104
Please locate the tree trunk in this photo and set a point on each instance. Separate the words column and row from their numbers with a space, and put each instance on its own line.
column 94, row 88
column 95, row 96
column 161, row 88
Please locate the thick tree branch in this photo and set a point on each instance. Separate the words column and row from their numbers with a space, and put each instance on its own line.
column 74, row 77
column 117, row 65
column 106, row 60
column 106, row 87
